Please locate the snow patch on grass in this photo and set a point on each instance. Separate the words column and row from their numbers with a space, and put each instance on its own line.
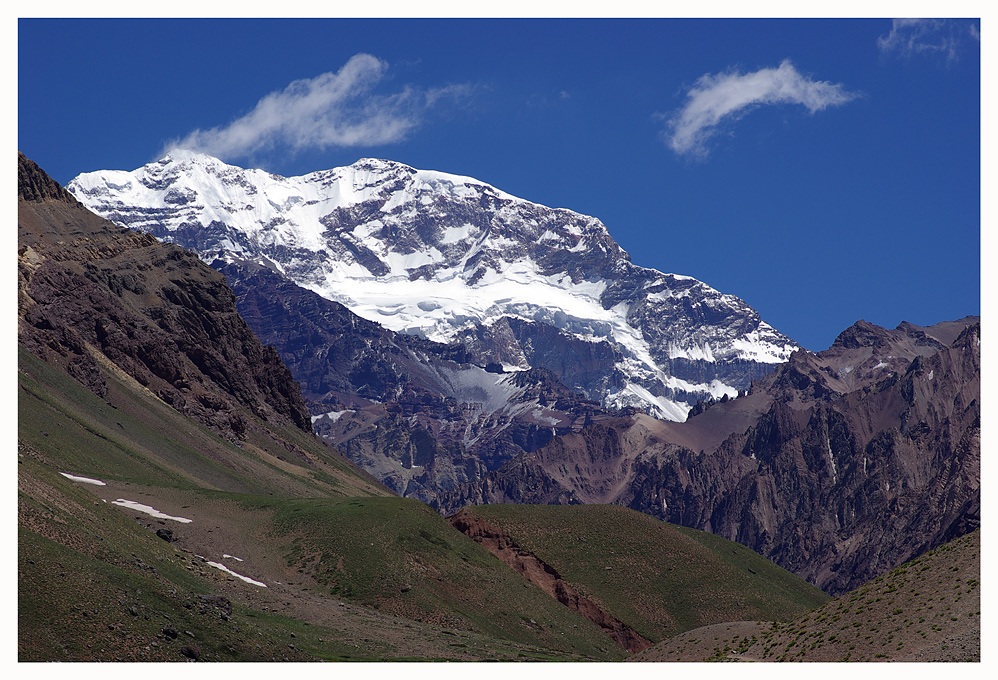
column 139, row 507
column 84, row 480
column 239, row 576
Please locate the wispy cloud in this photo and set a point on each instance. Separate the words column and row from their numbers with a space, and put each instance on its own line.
column 715, row 99
column 338, row 109
column 944, row 37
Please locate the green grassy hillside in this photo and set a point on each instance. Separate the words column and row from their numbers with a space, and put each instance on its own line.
column 928, row 609
column 399, row 556
column 132, row 435
column 657, row 578
column 380, row 577
column 95, row 585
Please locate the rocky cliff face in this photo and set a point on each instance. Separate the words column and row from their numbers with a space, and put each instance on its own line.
column 416, row 414
column 90, row 291
column 453, row 259
column 838, row 467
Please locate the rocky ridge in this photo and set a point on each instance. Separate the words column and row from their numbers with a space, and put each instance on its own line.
column 838, row 466
column 546, row 577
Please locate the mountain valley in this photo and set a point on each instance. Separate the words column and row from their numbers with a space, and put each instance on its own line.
column 236, row 462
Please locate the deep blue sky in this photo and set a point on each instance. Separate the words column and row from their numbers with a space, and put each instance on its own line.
column 866, row 207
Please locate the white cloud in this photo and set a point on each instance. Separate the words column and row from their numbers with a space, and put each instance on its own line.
column 714, row 99
column 331, row 110
column 928, row 36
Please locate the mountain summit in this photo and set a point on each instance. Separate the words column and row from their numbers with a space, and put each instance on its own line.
column 454, row 259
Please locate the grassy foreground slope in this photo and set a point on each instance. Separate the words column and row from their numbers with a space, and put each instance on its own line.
column 351, row 572
column 95, row 584
column 399, row 556
column 657, row 578
column 132, row 435
column 928, row 609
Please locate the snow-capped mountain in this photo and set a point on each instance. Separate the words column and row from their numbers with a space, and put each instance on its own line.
column 454, row 259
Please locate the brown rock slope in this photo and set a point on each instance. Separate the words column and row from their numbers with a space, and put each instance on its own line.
column 928, row 609
column 546, row 577
column 838, row 466
column 88, row 288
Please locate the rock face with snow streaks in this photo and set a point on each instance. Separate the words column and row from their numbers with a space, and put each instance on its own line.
column 416, row 414
column 452, row 259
